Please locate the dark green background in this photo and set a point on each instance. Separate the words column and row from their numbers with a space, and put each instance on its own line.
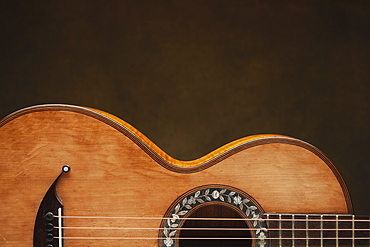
column 194, row 75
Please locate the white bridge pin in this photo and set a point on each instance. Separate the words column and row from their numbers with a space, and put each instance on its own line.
column 66, row 168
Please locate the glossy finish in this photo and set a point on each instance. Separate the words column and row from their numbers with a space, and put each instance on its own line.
column 116, row 171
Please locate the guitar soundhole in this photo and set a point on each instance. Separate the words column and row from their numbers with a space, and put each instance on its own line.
column 215, row 211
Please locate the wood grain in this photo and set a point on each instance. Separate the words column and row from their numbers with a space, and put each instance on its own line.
column 116, row 171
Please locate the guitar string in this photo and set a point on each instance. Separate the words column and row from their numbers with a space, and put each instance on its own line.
column 235, row 219
column 199, row 228
column 228, row 229
column 205, row 238
column 214, row 219
column 222, row 219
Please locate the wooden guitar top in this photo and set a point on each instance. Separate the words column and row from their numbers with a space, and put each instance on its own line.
column 116, row 171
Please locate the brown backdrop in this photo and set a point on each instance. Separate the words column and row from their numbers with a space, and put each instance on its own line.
column 194, row 75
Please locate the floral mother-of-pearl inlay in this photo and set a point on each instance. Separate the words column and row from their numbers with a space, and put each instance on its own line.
column 228, row 196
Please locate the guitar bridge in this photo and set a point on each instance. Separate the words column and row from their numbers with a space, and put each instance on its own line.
column 48, row 225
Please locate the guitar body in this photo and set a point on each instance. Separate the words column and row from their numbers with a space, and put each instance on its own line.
column 118, row 172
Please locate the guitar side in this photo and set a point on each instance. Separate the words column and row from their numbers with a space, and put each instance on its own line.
column 117, row 171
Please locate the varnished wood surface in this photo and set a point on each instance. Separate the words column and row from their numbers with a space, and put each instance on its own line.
column 116, row 171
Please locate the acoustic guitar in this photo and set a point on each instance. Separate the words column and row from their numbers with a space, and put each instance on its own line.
column 75, row 176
